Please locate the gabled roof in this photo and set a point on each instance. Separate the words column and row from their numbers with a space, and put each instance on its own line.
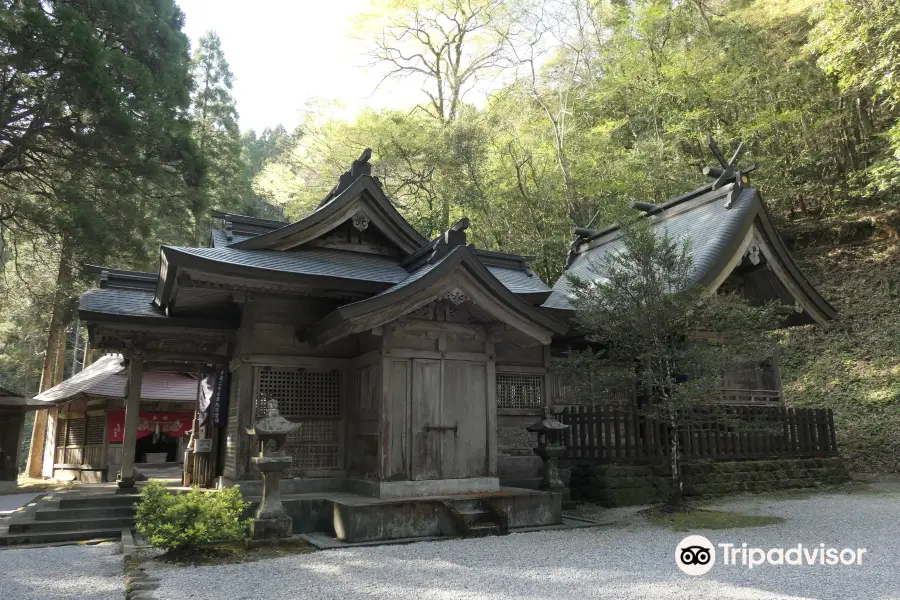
column 459, row 271
column 107, row 377
column 363, row 195
column 721, row 225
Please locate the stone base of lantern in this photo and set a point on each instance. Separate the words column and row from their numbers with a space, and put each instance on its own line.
column 270, row 528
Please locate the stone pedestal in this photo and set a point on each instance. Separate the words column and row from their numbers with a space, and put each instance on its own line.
column 271, row 520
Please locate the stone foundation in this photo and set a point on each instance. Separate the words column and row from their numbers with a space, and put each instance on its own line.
column 624, row 485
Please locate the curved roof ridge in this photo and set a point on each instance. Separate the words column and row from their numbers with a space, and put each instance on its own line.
column 348, row 318
column 364, row 190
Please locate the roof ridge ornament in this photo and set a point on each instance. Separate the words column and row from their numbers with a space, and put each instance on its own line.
column 358, row 168
column 453, row 237
column 728, row 170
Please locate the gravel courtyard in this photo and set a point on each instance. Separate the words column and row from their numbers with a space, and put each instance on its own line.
column 631, row 560
column 62, row 573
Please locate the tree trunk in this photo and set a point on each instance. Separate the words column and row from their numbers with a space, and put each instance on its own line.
column 676, row 497
column 54, row 357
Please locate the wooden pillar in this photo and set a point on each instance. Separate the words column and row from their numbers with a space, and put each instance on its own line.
column 132, row 415
column 36, row 451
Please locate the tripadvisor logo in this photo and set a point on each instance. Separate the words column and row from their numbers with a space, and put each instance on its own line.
column 696, row 555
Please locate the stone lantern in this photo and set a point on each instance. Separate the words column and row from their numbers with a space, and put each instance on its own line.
column 549, row 448
column 272, row 520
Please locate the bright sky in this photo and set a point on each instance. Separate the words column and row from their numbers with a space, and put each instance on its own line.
column 285, row 53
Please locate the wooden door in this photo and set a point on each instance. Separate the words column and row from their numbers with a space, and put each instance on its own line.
column 449, row 420
column 426, row 411
column 464, row 404
column 10, row 424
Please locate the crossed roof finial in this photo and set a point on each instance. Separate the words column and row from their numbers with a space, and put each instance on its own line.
column 729, row 169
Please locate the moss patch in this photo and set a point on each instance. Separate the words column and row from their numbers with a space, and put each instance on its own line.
column 689, row 519
column 234, row 552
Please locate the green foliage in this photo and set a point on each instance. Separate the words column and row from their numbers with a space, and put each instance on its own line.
column 651, row 323
column 184, row 521
column 215, row 131
column 858, row 41
column 852, row 366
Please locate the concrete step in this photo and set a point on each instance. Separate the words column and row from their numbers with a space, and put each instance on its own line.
column 70, row 525
column 478, row 515
column 466, row 505
column 105, row 501
column 71, row 514
column 482, row 530
column 44, row 537
column 528, row 483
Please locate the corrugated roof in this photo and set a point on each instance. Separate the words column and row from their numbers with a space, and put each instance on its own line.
column 107, row 377
column 709, row 225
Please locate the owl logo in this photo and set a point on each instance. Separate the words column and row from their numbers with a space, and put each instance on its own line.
column 695, row 555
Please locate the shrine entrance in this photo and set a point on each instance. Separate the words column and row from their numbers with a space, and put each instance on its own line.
column 449, row 428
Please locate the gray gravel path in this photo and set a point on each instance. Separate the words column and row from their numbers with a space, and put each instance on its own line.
column 620, row 562
column 62, row 573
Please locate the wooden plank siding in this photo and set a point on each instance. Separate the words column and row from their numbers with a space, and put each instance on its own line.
column 610, row 433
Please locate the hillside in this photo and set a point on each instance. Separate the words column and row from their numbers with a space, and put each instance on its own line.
column 852, row 366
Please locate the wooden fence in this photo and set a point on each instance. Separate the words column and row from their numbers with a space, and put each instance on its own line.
column 620, row 433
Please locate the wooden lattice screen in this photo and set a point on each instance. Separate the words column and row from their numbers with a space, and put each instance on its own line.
column 94, row 429
column 520, row 391
column 313, row 399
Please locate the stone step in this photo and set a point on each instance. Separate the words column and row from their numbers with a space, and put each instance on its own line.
column 66, row 514
column 43, row 537
column 528, row 483
column 482, row 530
column 466, row 505
column 105, row 501
column 70, row 525
column 478, row 515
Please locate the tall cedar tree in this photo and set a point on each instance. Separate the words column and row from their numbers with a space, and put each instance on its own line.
column 215, row 129
column 649, row 324
column 94, row 137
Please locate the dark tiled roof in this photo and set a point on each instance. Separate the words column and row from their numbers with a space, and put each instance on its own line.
column 710, row 227
column 519, row 281
column 220, row 239
column 308, row 261
column 136, row 303
column 107, row 377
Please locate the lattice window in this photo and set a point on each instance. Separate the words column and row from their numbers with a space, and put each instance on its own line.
column 94, row 430
column 313, row 399
column 75, row 432
column 315, row 446
column 520, row 391
column 61, row 432
column 299, row 393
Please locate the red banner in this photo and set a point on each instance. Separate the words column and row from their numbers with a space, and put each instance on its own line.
column 149, row 422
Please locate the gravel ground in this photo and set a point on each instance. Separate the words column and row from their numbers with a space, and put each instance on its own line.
column 62, row 573
column 622, row 561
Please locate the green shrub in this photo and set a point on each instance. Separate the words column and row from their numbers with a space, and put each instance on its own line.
column 179, row 521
